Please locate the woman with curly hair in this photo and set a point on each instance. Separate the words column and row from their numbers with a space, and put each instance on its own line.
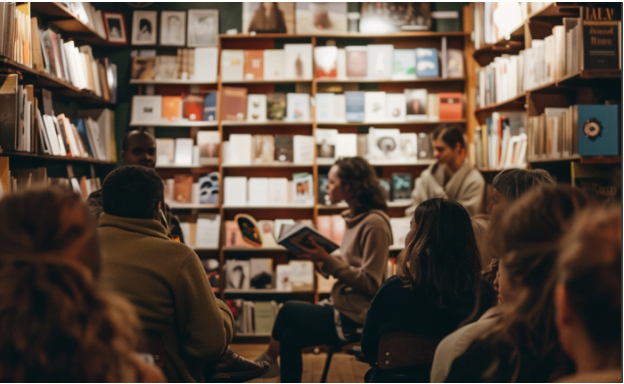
column 55, row 324
column 359, row 270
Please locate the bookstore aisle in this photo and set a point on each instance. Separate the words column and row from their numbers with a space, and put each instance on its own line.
column 250, row 114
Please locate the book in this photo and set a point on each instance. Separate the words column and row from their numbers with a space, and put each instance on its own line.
column 450, row 106
column 235, row 191
column 165, row 148
column 416, row 104
column 354, row 111
column 425, row 151
column 303, row 185
column 356, row 61
column 209, row 188
column 455, row 63
column 208, row 227
column 596, row 180
column 171, row 107
column 243, row 149
column 395, row 107
column 427, row 62
column 303, row 149
column 143, row 68
column 404, row 67
column 346, row 145
column 301, row 273
column 183, row 188
column 233, row 103
column 384, row 144
column 232, row 64
column 323, row 196
column 276, row 106
column 374, row 106
column 284, row 148
column 298, row 61
column 298, row 107
column 9, row 112
column 261, row 269
column 400, row 227
column 326, row 140
column 258, row 192
column 237, row 274
column 254, row 68
column 263, row 149
column 205, row 64
column 274, row 64
column 146, row 109
column 383, row 18
column 409, row 147
column 341, row 64
column 340, row 108
column 193, row 107
column 278, row 190
column 264, row 314
column 210, row 107
column 401, row 186
column 380, row 59
column 324, row 107
column 266, row 229
column 183, row 151
column 299, row 235
column 601, row 42
column 325, row 62
column 598, row 130
column 233, row 235
column 256, row 108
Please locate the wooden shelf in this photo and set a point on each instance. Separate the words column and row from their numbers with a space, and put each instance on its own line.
column 393, row 123
column 176, row 124
column 274, row 165
column 369, row 80
column 252, row 249
column 46, row 80
column 191, row 166
column 582, row 159
column 85, row 160
column 170, row 82
column 420, row 163
column 175, row 205
column 66, row 21
column 342, row 206
column 554, row 159
column 356, row 35
column 240, row 123
column 287, row 206
column 515, row 102
column 262, row 81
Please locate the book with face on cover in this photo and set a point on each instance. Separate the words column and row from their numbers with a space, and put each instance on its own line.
column 416, row 104
column 237, row 274
column 254, row 64
column 356, row 61
column 380, row 61
column 303, row 188
column 208, row 143
column 298, row 61
column 325, row 62
column 274, row 64
column 326, row 140
column 395, row 107
column 232, row 64
column 256, row 108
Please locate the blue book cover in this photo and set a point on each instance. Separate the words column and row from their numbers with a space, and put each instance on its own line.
column 354, row 106
column 210, row 107
column 82, row 131
column 427, row 62
column 598, row 130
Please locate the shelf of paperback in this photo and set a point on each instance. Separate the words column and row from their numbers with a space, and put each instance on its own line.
column 85, row 160
column 390, row 123
column 188, row 166
column 270, row 123
column 378, row 163
column 170, row 82
column 276, row 81
column 68, row 21
column 175, row 124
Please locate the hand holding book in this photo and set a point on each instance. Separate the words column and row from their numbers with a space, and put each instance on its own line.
column 316, row 253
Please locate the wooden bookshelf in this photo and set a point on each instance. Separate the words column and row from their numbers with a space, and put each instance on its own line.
column 389, row 123
column 175, row 124
column 84, row 160
column 270, row 123
column 271, row 165
column 350, row 35
column 66, row 21
column 169, row 82
column 401, row 81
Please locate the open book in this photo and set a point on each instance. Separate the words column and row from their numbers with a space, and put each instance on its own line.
column 300, row 234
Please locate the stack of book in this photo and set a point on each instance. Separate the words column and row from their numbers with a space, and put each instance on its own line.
column 294, row 62
column 270, row 230
column 380, row 145
column 20, row 179
column 255, row 318
column 501, row 142
column 183, row 153
column 182, row 189
column 246, row 149
column 263, row 191
column 199, row 64
column 16, row 31
column 237, row 105
column 203, row 233
column 257, row 273
column 173, row 109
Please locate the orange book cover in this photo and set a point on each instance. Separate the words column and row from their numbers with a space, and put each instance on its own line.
column 233, row 235
column 254, row 64
column 183, row 188
column 450, row 106
column 171, row 107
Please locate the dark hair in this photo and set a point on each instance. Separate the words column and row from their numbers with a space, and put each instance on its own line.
column 442, row 258
column 450, row 135
column 145, row 23
column 132, row 191
column 590, row 267
column 360, row 182
column 125, row 142
column 513, row 183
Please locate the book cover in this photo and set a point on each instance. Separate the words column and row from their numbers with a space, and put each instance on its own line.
column 274, row 64
column 341, row 64
column 183, row 151
column 183, row 188
column 375, row 106
column 326, row 140
column 409, row 148
column 427, row 62
column 233, row 235
column 298, row 61
column 256, row 108
column 298, row 107
column 269, row 18
column 384, row 144
column 166, row 67
column 602, row 45
column 301, row 275
column 325, row 62
column 303, row 149
column 404, row 67
column 208, row 143
column 346, row 145
column 232, row 64
column 241, row 143
column 282, row 278
column 276, row 106
column 209, row 188
column 165, row 148
column 237, row 274
column 210, row 107
column 450, row 106
column 400, row 227
column 261, row 269
column 354, row 109
column 303, row 188
column 234, row 190
column 254, row 68
column 323, row 197
column 278, row 190
column 395, row 107
column 596, row 180
column 263, row 149
column 284, row 148
column 425, row 151
column 143, row 68
column 300, row 235
column 598, row 130
column 266, row 229
column 356, row 61
column 258, row 192
column 233, row 103
column 382, row 18
column 380, row 61
column 146, row 109
column 208, row 227
column 416, row 104
column 455, row 63
column 171, row 106
column 401, row 186
column 193, row 107
column 8, row 112
column 324, row 107
column 320, row 18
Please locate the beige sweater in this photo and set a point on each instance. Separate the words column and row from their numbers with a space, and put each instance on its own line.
column 167, row 284
column 362, row 262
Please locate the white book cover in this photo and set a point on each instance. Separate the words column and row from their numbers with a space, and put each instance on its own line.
column 400, row 228
column 395, row 107
column 183, row 151
column 232, row 64
column 409, row 149
column 146, row 109
column 326, row 140
column 278, row 190
column 258, row 191
column 303, row 149
column 325, row 61
column 274, row 64
column 340, row 108
column 55, row 146
column 282, row 278
column 237, row 274
column 298, row 61
column 208, row 227
column 234, row 190
column 208, row 143
column 374, row 106
column 404, row 64
column 165, row 148
column 278, row 224
column 256, row 108
column 324, row 107
column 346, row 145
column 341, row 64
column 206, row 64
column 384, row 144
column 298, row 107
column 303, row 186
column 380, row 61
column 240, row 149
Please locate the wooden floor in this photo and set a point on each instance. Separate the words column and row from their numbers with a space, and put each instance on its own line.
column 344, row 368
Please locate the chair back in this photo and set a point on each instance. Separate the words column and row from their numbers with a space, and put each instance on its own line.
column 151, row 343
column 402, row 349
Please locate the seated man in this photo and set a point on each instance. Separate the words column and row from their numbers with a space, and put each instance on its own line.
column 165, row 281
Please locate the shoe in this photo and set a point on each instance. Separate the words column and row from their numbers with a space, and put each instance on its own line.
column 275, row 369
column 233, row 368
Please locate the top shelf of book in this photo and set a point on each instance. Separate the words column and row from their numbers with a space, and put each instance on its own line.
column 353, row 35
column 67, row 21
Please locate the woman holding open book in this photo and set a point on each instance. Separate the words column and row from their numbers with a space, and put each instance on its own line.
column 359, row 269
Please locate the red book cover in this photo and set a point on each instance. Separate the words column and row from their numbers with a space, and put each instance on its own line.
column 193, row 107
column 233, row 103
column 451, row 106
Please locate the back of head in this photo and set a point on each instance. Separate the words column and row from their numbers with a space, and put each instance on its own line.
column 48, row 222
column 450, row 135
column 591, row 270
column 360, row 182
column 442, row 258
column 55, row 326
column 514, row 183
column 132, row 191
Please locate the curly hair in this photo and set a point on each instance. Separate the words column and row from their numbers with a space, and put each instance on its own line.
column 359, row 180
column 55, row 326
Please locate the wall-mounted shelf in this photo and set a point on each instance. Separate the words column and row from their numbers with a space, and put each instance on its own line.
column 85, row 160
column 353, row 35
column 175, row 124
column 271, row 123
column 272, row 165
column 175, row 205
column 170, row 82
column 68, row 22
column 401, row 81
column 389, row 123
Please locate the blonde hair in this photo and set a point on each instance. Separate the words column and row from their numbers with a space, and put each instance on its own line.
column 55, row 326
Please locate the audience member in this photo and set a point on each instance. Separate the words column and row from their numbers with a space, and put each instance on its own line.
column 436, row 288
column 521, row 344
column 165, row 280
column 139, row 148
column 511, row 184
column 451, row 177
column 56, row 326
column 359, row 270
column 588, row 299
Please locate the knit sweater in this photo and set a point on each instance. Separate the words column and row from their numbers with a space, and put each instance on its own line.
column 361, row 264
column 167, row 284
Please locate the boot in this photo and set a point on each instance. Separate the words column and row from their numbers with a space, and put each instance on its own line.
column 233, row 368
